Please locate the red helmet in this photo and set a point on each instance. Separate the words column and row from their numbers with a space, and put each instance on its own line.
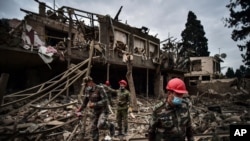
column 107, row 83
column 177, row 85
column 123, row 82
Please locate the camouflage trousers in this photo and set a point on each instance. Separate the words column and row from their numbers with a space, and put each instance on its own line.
column 99, row 121
column 122, row 119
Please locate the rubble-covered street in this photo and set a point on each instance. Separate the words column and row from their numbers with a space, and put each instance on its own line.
column 46, row 55
column 212, row 115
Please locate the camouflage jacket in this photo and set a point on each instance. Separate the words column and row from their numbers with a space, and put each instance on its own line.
column 171, row 123
column 98, row 96
column 109, row 93
column 123, row 98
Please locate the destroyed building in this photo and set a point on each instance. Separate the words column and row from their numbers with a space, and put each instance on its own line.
column 44, row 44
column 203, row 69
column 47, row 52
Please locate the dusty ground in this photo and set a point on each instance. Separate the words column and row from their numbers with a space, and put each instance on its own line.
column 210, row 113
column 53, row 118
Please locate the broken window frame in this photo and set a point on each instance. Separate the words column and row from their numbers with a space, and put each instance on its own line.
column 196, row 65
column 125, row 35
column 155, row 52
column 143, row 47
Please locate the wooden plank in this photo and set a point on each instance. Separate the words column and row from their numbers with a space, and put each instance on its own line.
column 3, row 84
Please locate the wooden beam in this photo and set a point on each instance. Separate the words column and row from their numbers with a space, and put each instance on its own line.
column 3, row 84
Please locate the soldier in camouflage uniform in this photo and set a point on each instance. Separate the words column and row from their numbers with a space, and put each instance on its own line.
column 97, row 100
column 171, row 119
column 106, row 87
column 123, row 102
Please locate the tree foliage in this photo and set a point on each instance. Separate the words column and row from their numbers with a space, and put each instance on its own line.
column 241, row 72
column 244, row 72
column 193, row 36
column 239, row 20
column 230, row 73
column 238, row 74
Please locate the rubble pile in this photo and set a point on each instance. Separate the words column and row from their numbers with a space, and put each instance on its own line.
column 212, row 114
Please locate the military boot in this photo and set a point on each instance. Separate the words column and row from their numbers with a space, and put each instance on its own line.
column 120, row 132
column 126, row 131
column 112, row 129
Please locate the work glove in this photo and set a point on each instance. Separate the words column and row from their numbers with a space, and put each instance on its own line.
column 130, row 110
column 91, row 104
column 79, row 109
column 78, row 112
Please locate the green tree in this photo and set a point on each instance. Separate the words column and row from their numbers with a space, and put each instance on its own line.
column 238, row 74
column 239, row 20
column 245, row 72
column 193, row 37
column 230, row 73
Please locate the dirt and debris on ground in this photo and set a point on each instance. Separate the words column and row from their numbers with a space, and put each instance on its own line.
column 211, row 113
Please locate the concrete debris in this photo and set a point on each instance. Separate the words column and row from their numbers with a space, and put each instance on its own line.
column 211, row 113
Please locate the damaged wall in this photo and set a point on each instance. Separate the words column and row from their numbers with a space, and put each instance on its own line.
column 220, row 86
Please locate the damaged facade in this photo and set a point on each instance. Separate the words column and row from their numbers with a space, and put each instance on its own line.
column 58, row 38
column 57, row 43
column 203, row 69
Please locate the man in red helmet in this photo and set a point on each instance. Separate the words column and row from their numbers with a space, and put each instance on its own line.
column 123, row 102
column 171, row 120
column 107, row 83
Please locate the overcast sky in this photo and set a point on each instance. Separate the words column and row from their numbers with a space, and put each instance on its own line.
column 167, row 18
